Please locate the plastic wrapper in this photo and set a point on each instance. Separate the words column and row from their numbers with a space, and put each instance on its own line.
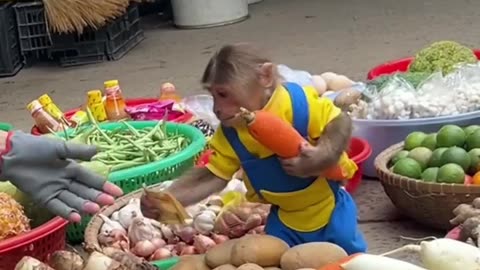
column 202, row 107
column 155, row 111
column 438, row 95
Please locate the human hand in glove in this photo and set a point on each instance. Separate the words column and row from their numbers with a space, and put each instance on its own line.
column 45, row 169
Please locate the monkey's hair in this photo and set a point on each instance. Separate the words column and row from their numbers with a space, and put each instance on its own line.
column 237, row 64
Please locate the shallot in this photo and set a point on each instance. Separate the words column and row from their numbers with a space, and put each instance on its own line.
column 218, row 238
column 144, row 248
column 186, row 234
column 203, row 243
column 160, row 254
column 158, row 242
column 131, row 211
column 188, row 250
column 128, row 260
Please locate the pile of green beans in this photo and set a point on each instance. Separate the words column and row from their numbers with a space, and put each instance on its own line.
column 127, row 147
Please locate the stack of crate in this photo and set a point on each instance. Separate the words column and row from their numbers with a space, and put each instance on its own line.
column 25, row 25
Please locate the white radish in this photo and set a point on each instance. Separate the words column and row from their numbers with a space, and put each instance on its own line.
column 445, row 254
column 376, row 262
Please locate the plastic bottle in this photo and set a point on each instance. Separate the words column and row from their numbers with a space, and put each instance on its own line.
column 43, row 120
column 114, row 103
column 169, row 92
column 96, row 105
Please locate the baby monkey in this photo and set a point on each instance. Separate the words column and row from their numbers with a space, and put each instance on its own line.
column 306, row 207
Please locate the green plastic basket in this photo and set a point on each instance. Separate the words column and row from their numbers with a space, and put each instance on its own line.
column 5, row 126
column 166, row 264
column 133, row 178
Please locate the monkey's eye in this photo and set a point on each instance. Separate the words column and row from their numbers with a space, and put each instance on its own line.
column 222, row 94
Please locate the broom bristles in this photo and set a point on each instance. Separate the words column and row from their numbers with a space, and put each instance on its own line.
column 67, row 16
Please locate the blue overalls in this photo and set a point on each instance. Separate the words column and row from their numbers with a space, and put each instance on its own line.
column 272, row 184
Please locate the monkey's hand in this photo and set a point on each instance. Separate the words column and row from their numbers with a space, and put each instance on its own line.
column 306, row 164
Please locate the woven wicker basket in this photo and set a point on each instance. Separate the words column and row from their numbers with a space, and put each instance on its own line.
column 430, row 204
column 93, row 228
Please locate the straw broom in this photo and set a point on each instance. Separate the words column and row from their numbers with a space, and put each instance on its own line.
column 70, row 16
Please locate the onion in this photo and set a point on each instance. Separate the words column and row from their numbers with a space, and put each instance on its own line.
column 161, row 253
column 144, row 248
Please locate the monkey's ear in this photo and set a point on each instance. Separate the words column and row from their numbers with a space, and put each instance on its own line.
column 267, row 75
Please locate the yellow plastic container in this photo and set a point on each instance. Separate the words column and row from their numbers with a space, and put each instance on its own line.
column 50, row 107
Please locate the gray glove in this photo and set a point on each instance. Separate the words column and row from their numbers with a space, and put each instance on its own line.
column 44, row 168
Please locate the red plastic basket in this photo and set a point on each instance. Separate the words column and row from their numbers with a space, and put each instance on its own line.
column 359, row 151
column 38, row 243
column 400, row 65
column 128, row 102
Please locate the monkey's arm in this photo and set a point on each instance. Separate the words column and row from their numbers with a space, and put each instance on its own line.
column 196, row 185
column 334, row 140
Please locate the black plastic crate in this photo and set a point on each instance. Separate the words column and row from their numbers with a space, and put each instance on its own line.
column 11, row 59
column 32, row 26
column 87, row 52
column 131, row 43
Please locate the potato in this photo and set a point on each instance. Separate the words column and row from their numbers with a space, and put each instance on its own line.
column 347, row 97
column 219, row 254
column 191, row 262
column 226, row 267
column 307, row 269
column 264, row 250
column 311, row 255
column 340, row 82
column 328, row 77
column 319, row 84
column 250, row 266
column 272, row 268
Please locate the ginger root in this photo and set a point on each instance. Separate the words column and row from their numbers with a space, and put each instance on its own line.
column 471, row 229
column 464, row 212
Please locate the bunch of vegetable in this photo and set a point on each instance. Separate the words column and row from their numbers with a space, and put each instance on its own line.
column 207, row 224
column 126, row 146
column 442, row 56
column 413, row 78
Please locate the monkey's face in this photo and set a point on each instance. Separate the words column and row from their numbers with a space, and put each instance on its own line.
column 228, row 100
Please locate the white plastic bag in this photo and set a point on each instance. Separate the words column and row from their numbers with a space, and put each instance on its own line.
column 300, row 77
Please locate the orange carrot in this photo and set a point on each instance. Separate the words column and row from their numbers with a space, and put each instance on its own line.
column 338, row 264
column 280, row 137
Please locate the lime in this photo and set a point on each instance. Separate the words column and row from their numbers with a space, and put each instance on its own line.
column 458, row 156
column 474, row 161
column 430, row 141
column 399, row 155
column 421, row 155
column 414, row 140
column 408, row 167
column 436, row 159
column 473, row 140
column 450, row 135
column 470, row 129
column 430, row 174
column 451, row 173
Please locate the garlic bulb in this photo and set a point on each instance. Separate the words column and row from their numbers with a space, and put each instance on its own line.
column 109, row 225
column 204, row 222
column 129, row 212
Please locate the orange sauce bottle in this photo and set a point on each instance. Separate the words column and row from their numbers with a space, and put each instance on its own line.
column 169, row 92
column 114, row 102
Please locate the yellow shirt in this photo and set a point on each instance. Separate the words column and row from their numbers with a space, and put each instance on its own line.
column 224, row 161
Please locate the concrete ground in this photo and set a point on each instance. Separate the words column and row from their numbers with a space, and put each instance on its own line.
column 345, row 36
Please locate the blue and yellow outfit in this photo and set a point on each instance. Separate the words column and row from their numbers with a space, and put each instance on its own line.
column 303, row 209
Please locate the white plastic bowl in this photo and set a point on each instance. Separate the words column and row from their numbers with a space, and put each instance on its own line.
column 202, row 107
